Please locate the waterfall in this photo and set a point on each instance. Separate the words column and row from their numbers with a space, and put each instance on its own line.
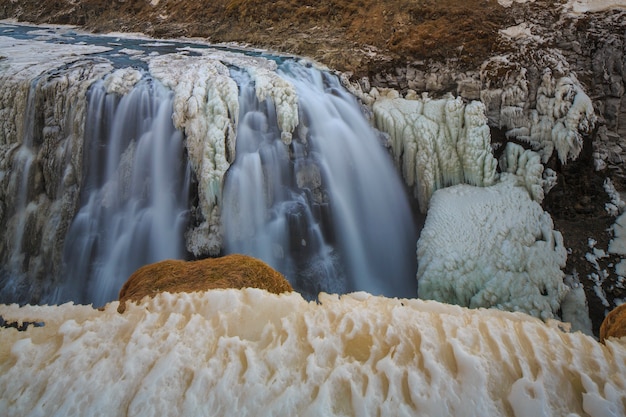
column 134, row 196
column 197, row 154
column 24, row 184
column 327, row 210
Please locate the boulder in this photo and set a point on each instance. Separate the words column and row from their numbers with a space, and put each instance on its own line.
column 231, row 271
column 614, row 324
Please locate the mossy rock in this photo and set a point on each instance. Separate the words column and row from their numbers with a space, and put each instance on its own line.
column 231, row 271
column 614, row 324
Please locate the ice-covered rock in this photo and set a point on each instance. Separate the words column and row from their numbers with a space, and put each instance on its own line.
column 252, row 353
column 206, row 108
column 436, row 143
column 551, row 116
column 491, row 247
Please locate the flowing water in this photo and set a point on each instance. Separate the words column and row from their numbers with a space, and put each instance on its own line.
column 327, row 209
column 134, row 198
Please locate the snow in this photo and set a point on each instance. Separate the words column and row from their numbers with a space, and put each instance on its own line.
column 617, row 245
column 248, row 352
column 508, row 3
column 521, row 31
column 473, row 252
column 577, row 6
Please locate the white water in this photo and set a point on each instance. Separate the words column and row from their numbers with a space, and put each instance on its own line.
column 134, row 197
column 329, row 209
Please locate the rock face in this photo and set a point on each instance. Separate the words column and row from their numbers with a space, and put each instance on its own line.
column 614, row 324
column 232, row 271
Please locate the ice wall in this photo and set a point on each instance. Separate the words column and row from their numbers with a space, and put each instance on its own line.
column 436, row 142
column 248, row 352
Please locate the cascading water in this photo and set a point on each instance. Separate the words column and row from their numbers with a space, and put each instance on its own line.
column 24, row 179
column 134, row 196
column 329, row 209
column 307, row 187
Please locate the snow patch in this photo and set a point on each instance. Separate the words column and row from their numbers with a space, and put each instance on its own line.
column 593, row 6
column 509, row 3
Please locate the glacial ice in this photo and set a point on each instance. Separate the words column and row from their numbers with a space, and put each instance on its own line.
column 249, row 352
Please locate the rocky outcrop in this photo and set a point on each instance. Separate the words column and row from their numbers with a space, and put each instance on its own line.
column 231, row 271
column 614, row 324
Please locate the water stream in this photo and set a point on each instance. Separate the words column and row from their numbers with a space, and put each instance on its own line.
column 329, row 209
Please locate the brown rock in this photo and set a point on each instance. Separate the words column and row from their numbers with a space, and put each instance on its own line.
column 232, row 271
column 614, row 324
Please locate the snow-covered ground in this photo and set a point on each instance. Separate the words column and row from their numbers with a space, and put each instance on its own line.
column 248, row 352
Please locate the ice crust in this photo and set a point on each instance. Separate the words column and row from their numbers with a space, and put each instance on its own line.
column 248, row 352
column 473, row 252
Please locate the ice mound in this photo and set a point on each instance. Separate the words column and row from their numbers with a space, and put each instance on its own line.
column 491, row 247
column 249, row 352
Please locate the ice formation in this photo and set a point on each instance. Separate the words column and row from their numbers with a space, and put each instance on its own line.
column 491, row 247
column 248, row 352
column 206, row 107
column 283, row 94
column 558, row 117
column 437, row 143
column 526, row 167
